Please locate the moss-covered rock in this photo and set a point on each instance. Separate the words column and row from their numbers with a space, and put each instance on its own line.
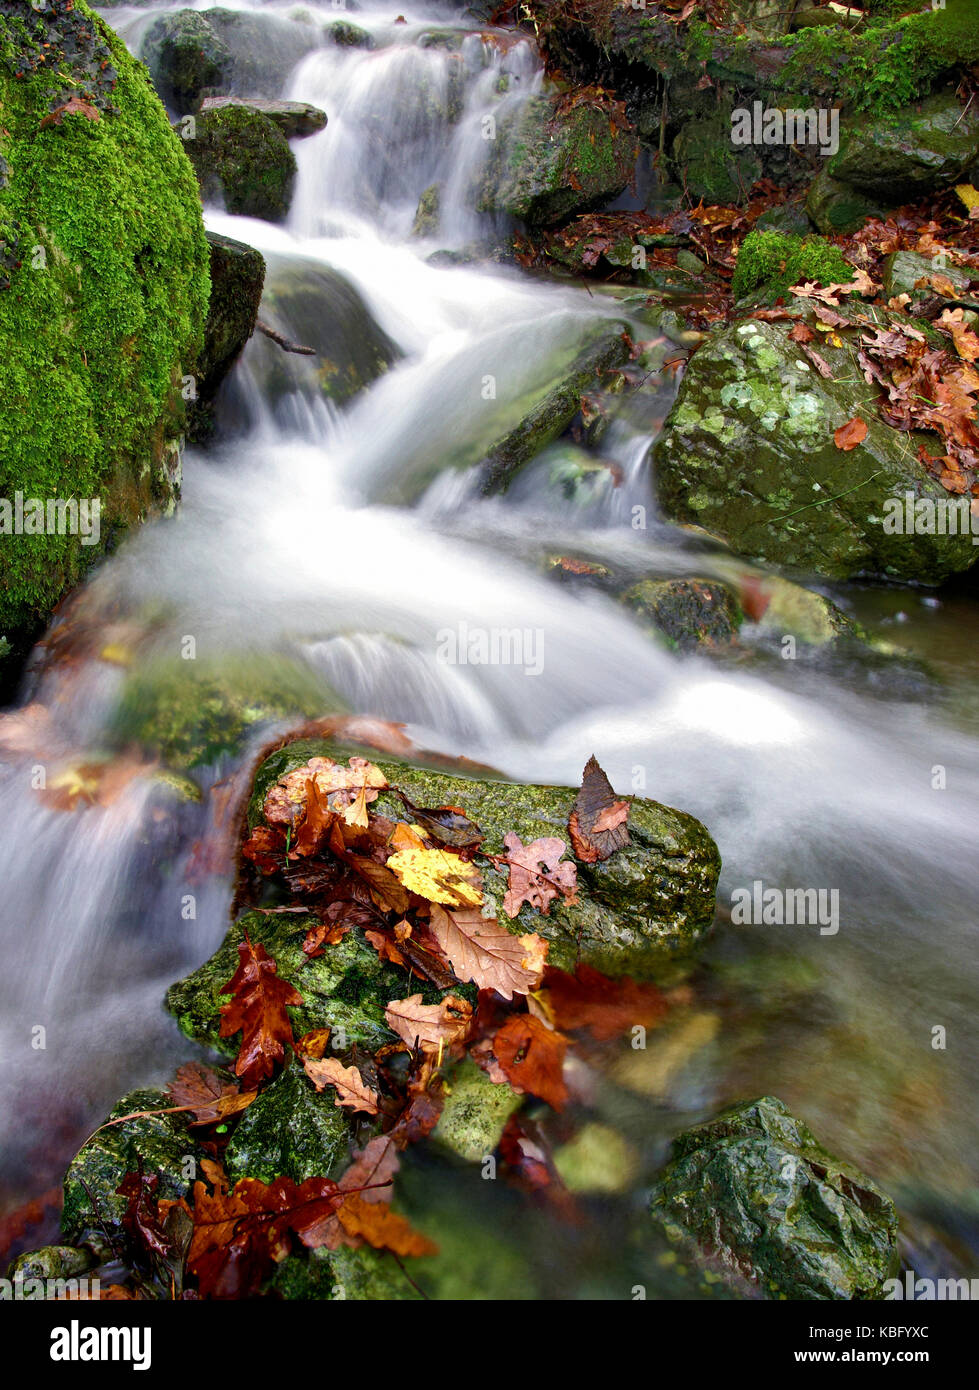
column 917, row 151
column 163, row 1144
column 347, row 35
column 754, row 1194
column 649, row 900
column 770, row 262
column 50, row 1262
column 315, row 306
column 428, row 212
column 709, row 166
column 837, row 208
column 290, row 1129
column 103, row 294
column 549, row 163
column 191, row 713
column 185, row 57
column 901, row 271
column 296, row 119
column 242, row 158
column 237, row 277
column 688, row 613
column 748, row 453
column 598, row 1159
column 345, row 989
column 475, row 1113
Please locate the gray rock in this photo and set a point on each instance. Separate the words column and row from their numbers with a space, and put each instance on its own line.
column 295, row 119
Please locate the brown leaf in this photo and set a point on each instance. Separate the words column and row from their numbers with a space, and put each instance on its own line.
column 381, row 1227
column 536, row 874
column 851, row 434
column 208, row 1097
column 597, row 824
column 430, row 1026
column 74, row 106
column 607, row 1008
column 480, row 950
column 532, row 1056
column 258, row 1010
column 350, row 1087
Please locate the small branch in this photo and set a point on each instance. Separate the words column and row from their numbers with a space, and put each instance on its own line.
column 283, row 343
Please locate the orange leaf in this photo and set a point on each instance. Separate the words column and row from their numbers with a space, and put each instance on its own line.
column 851, row 434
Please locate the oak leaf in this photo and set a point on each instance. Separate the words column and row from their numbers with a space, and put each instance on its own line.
column 258, row 1010
column 536, row 874
column 351, row 1089
column 201, row 1090
column 532, row 1056
column 607, row 1008
column 381, row 1227
column 430, row 1026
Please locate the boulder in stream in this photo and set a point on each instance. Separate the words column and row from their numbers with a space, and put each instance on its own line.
column 237, row 277
column 296, row 119
column 753, row 1195
column 748, row 453
column 243, row 159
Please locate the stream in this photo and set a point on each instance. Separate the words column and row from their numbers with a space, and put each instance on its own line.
column 344, row 545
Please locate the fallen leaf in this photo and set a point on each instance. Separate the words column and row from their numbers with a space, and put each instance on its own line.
column 258, row 1010
column 607, row 1008
column 532, row 1056
column 351, row 1090
column 597, row 824
column 480, row 950
column 430, row 1026
column 381, row 1227
column 210, row 1099
column 437, row 875
column 851, row 434
column 536, row 875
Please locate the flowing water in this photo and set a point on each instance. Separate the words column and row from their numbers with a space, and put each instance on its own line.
column 342, row 545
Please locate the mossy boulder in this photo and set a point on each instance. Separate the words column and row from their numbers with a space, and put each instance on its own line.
column 837, row 208
column 748, row 453
column 237, row 277
column 193, row 53
column 650, row 900
column 163, row 1144
column 428, row 212
column 347, row 35
column 314, row 306
column 243, row 159
column 771, row 262
column 917, row 151
column 688, row 613
column 51, row 1262
column 290, row 1129
column 346, row 989
column 185, row 58
column 902, row 270
column 709, row 166
column 296, row 119
column 754, row 1195
column 549, row 163
column 103, row 295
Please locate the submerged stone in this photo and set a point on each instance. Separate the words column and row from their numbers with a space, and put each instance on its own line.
column 755, row 1196
column 688, row 613
column 475, row 1113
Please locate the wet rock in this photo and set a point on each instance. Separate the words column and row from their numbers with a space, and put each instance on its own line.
column 347, row 35
column 315, row 306
column 837, row 208
column 748, row 450
column 185, row 57
column 163, row 1144
column 689, row 613
column 428, row 214
column 290, row 1129
column 475, row 1113
column 363, row 1276
column 923, row 149
column 296, row 119
column 553, row 412
column 265, row 48
column 902, row 270
column 237, row 277
column 60, row 1262
column 242, row 159
column 648, row 901
column 548, row 164
column 346, row 989
column 709, row 166
column 756, row 1197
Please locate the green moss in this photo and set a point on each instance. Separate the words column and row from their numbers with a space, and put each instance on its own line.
column 243, row 157
column 777, row 262
column 103, row 291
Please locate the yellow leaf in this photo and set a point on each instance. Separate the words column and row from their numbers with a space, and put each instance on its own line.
column 968, row 195
column 438, row 875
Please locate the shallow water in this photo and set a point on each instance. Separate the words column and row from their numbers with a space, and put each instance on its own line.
column 345, row 544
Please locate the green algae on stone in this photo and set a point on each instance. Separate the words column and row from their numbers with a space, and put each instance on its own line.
column 835, row 208
column 688, row 613
column 650, row 900
column 548, row 164
column 103, row 295
column 290, row 1129
column 161, row 1143
column 475, row 1113
column 919, row 150
column 63, row 1264
column 748, row 453
column 427, row 214
column 710, row 167
column 754, row 1194
column 243, row 159
column 363, row 1275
